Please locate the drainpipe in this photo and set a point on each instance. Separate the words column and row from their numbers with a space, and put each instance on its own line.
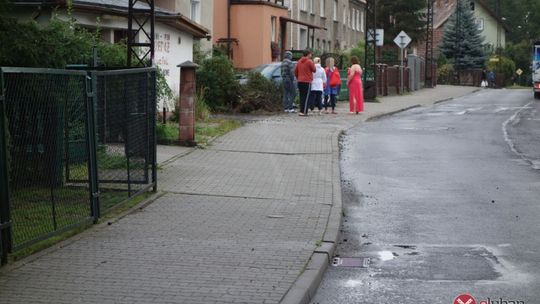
column 229, row 29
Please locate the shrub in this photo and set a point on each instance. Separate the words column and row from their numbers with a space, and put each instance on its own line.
column 202, row 112
column 445, row 74
column 506, row 67
column 259, row 94
column 216, row 78
column 166, row 131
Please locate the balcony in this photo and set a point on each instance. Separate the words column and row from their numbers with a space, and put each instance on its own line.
column 277, row 3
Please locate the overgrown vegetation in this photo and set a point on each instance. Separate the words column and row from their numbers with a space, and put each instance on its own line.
column 259, row 94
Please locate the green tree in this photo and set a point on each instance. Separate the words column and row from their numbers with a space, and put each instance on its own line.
column 462, row 42
column 522, row 16
column 395, row 16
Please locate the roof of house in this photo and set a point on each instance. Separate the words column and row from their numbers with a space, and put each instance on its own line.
column 442, row 15
column 120, row 7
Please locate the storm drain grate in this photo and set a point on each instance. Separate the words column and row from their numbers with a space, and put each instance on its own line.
column 351, row 262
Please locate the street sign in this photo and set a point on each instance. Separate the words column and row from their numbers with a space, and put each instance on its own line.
column 402, row 40
column 379, row 36
column 519, row 72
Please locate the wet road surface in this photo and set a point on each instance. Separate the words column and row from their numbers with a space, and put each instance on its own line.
column 441, row 201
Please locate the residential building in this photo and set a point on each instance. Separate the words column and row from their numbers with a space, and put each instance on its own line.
column 199, row 11
column 174, row 32
column 250, row 30
column 489, row 24
column 344, row 21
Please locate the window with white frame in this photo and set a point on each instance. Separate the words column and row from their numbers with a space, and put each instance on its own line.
column 335, row 10
column 311, row 8
column 351, row 18
column 344, row 15
column 303, row 5
column 322, row 4
column 196, row 10
column 273, row 26
column 357, row 20
column 362, row 21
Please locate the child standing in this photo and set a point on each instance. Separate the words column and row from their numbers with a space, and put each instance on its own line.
column 317, row 86
column 332, row 86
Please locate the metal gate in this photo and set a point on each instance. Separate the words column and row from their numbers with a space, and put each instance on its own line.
column 72, row 143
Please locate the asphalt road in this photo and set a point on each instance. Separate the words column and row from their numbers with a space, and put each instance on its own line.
column 441, row 201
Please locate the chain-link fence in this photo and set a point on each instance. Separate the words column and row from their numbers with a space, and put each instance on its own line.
column 74, row 143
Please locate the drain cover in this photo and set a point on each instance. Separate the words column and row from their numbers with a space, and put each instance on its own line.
column 351, row 262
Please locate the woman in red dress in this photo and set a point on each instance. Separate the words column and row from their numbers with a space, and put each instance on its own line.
column 356, row 91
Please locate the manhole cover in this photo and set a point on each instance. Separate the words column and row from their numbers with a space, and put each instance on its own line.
column 351, row 262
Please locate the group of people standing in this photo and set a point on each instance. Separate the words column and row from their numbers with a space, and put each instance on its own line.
column 318, row 86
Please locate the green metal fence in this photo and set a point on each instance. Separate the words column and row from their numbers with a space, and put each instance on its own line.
column 73, row 143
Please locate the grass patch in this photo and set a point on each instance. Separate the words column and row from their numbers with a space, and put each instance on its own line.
column 33, row 217
column 212, row 128
column 205, row 130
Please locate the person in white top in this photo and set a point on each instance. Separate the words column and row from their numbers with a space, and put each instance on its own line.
column 317, row 86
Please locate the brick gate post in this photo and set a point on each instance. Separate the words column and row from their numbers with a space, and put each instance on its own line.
column 188, row 84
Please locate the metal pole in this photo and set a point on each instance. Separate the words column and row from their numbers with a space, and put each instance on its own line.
column 401, row 71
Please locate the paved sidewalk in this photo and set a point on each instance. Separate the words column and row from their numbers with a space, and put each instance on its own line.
column 238, row 222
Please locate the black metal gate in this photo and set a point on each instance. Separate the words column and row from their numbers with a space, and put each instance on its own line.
column 73, row 143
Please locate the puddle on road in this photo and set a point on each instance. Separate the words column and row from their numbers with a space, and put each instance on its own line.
column 386, row 256
column 427, row 263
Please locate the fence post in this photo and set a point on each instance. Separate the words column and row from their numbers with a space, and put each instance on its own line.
column 187, row 103
column 91, row 93
column 5, row 217
column 152, row 107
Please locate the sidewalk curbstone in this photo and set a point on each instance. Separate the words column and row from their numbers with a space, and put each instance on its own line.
column 305, row 287
column 379, row 116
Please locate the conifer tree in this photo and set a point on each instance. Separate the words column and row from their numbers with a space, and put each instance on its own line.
column 462, row 42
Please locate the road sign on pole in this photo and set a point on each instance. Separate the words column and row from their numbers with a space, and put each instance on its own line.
column 402, row 40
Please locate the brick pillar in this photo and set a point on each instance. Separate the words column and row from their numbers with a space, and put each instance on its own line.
column 188, row 81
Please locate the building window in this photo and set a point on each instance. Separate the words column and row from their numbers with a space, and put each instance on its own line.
column 329, row 46
column 273, row 23
column 479, row 23
column 472, row 5
column 335, row 10
column 362, row 21
column 196, row 10
column 311, row 8
column 344, row 15
column 351, row 18
column 303, row 5
column 357, row 20
column 322, row 5
column 303, row 39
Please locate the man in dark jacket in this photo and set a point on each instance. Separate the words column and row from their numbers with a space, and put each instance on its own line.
column 289, row 91
column 304, row 74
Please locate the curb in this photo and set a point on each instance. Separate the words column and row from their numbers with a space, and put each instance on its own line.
column 307, row 283
column 379, row 116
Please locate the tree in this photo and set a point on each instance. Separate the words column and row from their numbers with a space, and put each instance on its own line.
column 462, row 41
column 395, row 16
